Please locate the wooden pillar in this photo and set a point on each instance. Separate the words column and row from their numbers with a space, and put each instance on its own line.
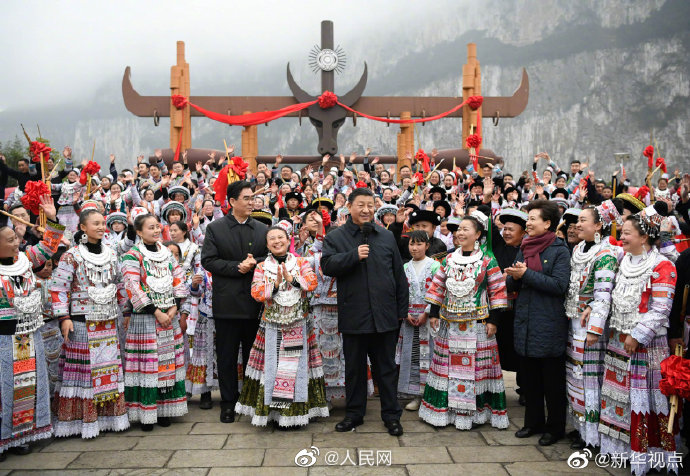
column 405, row 140
column 250, row 145
column 180, row 119
column 471, row 86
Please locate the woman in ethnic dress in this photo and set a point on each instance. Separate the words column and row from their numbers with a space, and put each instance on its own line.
column 154, row 349
column 202, row 374
column 593, row 266
column 284, row 380
column 634, row 412
column 465, row 383
column 413, row 352
column 24, row 389
column 86, row 293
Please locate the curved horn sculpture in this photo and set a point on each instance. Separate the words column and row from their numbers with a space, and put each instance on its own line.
column 300, row 94
column 355, row 93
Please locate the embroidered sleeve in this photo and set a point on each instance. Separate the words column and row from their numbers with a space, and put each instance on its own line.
column 260, row 292
column 307, row 278
column 122, row 297
column 39, row 253
column 62, row 283
column 198, row 235
column 437, row 289
column 659, row 305
column 604, row 272
column 498, row 296
column 180, row 288
column 668, row 250
column 131, row 269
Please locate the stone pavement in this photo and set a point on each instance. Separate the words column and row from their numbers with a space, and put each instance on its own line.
column 200, row 444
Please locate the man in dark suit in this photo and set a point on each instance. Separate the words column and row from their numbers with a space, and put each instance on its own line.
column 372, row 297
column 232, row 248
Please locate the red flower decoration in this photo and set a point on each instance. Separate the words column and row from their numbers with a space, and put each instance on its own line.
column 179, row 101
column 33, row 190
column 475, row 102
column 474, row 141
column 239, row 166
column 326, row 217
column 676, row 376
column 327, row 100
column 424, row 159
column 36, row 148
column 642, row 192
column 92, row 167
column 361, row 184
column 661, row 162
column 649, row 153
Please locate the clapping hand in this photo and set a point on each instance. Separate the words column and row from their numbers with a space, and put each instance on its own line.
column 247, row 264
column 517, row 270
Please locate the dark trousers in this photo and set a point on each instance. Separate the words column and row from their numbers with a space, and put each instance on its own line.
column 380, row 347
column 229, row 334
column 544, row 379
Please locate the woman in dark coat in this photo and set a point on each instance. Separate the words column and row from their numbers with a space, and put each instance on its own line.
column 541, row 275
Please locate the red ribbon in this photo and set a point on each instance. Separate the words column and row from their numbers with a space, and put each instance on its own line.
column 326, row 100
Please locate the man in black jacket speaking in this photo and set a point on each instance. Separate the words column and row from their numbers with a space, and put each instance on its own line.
column 373, row 296
column 232, row 248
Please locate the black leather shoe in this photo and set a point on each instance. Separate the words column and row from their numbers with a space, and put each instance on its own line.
column 20, row 450
column 348, row 424
column 3, row 456
column 227, row 415
column 547, row 439
column 164, row 421
column 394, row 427
column 578, row 444
column 526, row 432
column 205, row 402
column 147, row 427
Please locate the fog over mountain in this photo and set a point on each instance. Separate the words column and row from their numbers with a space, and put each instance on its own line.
column 603, row 75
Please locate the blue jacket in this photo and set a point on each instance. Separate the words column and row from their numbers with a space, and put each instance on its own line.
column 541, row 326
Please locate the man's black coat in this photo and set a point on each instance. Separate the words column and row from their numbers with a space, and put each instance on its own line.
column 372, row 293
column 226, row 245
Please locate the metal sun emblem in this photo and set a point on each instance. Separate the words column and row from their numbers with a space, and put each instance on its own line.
column 327, row 60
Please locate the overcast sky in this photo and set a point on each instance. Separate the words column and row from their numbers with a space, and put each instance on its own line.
column 53, row 52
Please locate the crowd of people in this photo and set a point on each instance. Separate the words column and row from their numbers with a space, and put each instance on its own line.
column 126, row 294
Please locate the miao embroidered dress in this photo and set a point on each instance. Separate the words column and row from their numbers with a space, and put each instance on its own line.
column 202, row 373
column 190, row 260
column 413, row 352
column 24, row 389
column 284, row 380
column 592, row 275
column 634, row 412
column 87, row 288
column 154, row 355
column 70, row 193
column 465, row 381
